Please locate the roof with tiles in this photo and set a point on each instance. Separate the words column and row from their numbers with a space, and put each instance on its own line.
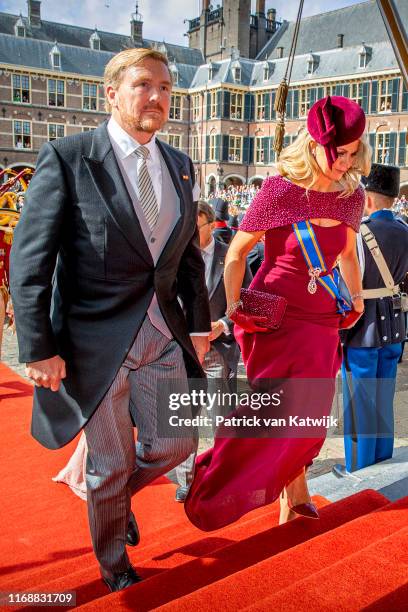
column 357, row 23
column 317, row 34
column 79, row 37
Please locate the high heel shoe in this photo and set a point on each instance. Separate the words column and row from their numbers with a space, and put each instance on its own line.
column 307, row 510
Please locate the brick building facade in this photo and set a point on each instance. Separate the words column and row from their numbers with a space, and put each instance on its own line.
column 224, row 85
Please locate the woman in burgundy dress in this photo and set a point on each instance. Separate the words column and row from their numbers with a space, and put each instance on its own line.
column 318, row 181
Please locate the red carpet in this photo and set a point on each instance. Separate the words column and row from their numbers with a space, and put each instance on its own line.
column 353, row 558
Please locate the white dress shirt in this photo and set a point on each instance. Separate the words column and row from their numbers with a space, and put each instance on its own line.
column 208, row 255
column 124, row 147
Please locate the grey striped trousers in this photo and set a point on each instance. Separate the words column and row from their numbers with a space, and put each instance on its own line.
column 111, row 475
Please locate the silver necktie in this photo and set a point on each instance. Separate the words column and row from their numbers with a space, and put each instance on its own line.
column 146, row 192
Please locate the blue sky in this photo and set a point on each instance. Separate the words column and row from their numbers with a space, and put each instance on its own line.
column 163, row 19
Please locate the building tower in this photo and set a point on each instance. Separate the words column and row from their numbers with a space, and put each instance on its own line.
column 217, row 30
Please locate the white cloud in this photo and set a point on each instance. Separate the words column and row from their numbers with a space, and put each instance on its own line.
column 162, row 19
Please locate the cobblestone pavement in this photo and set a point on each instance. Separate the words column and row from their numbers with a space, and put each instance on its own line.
column 332, row 451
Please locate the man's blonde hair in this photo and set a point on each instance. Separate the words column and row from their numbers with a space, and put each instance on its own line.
column 120, row 62
column 298, row 164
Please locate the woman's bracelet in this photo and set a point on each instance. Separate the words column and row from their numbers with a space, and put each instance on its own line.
column 232, row 307
column 355, row 296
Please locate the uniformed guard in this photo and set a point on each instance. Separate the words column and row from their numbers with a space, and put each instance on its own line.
column 222, row 231
column 373, row 346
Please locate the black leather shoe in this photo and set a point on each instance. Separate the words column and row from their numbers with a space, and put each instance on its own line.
column 132, row 534
column 181, row 494
column 121, row 580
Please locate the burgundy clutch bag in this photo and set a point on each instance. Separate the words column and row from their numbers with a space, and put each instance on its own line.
column 261, row 304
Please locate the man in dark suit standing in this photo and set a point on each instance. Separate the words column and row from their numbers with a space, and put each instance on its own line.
column 96, row 269
column 373, row 346
column 221, row 362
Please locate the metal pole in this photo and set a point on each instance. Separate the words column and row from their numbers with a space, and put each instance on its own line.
column 397, row 34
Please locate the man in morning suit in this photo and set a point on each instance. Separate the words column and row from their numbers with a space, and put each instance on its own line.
column 221, row 362
column 119, row 228
column 373, row 346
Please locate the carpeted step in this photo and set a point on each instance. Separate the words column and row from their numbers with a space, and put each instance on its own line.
column 165, row 547
column 229, row 560
column 155, row 558
column 270, row 576
column 374, row 578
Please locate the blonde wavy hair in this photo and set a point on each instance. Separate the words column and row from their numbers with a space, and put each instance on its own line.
column 298, row 164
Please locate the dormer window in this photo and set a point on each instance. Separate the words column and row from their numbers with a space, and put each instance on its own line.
column 236, row 74
column 266, row 71
column 364, row 56
column 210, row 71
column 95, row 41
column 19, row 27
column 312, row 63
column 174, row 74
column 55, row 56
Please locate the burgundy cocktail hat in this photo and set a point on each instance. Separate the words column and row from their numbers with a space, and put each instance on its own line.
column 335, row 121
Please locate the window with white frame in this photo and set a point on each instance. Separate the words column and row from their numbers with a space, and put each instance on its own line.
column 56, row 58
column 95, row 44
column 175, row 141
column 21, row 88
column 259, row 150
column 330, row 90
column 56, row 130
column 356, row 92
column 236, row 105
column 88, row 128
column 195, row 148
column 236, row 74
column 266, row 72
column 213, row 104
column 382, row 149
column 196, row 107
column 213, row 148
column 235, row 149
column 385, row 96
column 22, row 134
column 304, row 101
column 56, row 92
column 89, row 96
column 175, row 76
column 260, row 106
column 175, row 107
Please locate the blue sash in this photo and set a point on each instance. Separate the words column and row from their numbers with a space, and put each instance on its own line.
column 317, row 267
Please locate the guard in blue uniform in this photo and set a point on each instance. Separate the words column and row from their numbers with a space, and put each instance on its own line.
column 373, row 346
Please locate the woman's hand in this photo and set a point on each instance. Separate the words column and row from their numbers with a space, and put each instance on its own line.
column 350, row 319
column 249, row 323
column 358, row 304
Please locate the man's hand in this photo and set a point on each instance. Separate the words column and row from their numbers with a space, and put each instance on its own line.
column 217, row 328
column 201, row 345
column 47, row 372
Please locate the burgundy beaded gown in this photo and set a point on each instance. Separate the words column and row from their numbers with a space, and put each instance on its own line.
column 238, row 475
